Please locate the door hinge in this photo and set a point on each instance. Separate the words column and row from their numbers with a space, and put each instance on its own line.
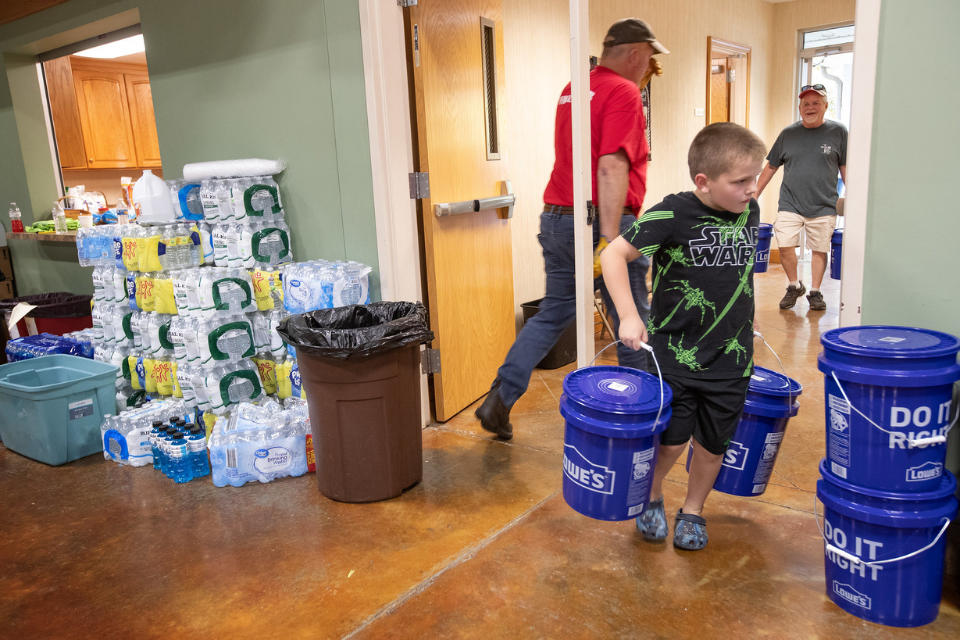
column 419, row 185
column 430, row 361
column 406, row 3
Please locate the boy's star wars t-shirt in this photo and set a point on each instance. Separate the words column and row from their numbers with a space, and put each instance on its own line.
column 701, row 318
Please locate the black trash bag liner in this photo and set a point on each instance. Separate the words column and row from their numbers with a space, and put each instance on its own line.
column 62, row 304
column 357, row 330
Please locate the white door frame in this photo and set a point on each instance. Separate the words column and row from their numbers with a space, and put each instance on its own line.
column 856, row 207
column 391, row 154
column 384, row 47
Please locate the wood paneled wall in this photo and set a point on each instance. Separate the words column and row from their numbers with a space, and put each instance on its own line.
column 536, row 44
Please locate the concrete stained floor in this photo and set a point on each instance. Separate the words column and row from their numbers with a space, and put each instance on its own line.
column 485, row 547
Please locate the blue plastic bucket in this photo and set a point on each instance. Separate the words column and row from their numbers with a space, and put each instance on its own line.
column 867, row 536
column 836, row 253
column 902, row 380
column 754, row 447
column 764, row 238
column 611, row 439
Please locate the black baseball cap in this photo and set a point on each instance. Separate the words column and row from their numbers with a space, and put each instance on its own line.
column 630, row 30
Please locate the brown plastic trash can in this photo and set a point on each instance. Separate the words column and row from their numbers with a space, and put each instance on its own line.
column 365, row 418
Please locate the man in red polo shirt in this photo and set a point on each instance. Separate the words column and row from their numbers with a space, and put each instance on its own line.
column 619, row 168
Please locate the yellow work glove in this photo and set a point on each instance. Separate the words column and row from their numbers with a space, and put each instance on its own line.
column 597, row 271
column 655, row 69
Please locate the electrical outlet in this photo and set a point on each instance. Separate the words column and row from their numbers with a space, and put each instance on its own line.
column 698, row 113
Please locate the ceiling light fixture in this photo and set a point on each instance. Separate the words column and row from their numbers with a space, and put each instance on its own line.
column 116, row 49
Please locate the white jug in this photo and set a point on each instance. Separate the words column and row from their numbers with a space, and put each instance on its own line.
column 151, row 199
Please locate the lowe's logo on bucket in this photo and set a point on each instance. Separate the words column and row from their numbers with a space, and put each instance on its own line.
column 926, row 471
column 590, row 476
column 736, row 456
column 851, row 595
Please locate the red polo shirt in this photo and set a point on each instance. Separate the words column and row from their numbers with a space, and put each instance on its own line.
column 616, row 122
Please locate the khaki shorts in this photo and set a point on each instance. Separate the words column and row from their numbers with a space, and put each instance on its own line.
column 819, row 231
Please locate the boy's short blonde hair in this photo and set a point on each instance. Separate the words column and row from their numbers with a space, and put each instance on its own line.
column 720, row 146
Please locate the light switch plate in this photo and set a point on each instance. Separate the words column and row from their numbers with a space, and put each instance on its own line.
column 698, row 113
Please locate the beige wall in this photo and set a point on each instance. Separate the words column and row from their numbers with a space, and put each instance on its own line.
column 536, row 42
column 538, row 66
column 683, row 28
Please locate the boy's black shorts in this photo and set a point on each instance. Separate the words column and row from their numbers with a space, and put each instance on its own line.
column 708, row 410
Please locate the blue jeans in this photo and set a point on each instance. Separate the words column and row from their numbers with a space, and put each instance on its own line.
column 558, row 307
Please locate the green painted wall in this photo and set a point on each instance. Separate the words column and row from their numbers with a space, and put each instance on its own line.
column 230, row 79
column 912, row 266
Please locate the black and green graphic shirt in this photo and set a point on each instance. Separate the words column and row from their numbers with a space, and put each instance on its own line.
column 701, row 318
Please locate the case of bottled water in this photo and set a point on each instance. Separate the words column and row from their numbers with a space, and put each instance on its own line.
column 259, row 443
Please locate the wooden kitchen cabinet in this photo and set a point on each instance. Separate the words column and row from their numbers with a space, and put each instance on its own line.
column 102, row 114
column 65, row 113
column 142, row 120
column 105, row 119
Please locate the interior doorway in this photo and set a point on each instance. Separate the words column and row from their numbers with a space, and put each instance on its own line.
column 728, row 82
column 101, row 115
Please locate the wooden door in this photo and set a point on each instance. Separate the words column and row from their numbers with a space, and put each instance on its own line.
column 65, row 113
column 458, row 141
column 142, row 120
column 105, row 119
column 719, row 94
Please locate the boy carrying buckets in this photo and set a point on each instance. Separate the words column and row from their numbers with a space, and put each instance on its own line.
column 702, row 245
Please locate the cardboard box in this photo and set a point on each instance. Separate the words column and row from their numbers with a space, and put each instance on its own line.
column 6, row 289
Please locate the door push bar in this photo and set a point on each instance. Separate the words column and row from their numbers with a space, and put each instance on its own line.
column 507, row 200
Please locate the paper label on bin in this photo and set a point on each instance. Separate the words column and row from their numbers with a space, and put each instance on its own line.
column 80, row 409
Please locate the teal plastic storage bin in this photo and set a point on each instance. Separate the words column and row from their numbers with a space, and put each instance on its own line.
column 51, row 407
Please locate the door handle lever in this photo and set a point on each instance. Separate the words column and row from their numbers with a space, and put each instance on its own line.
column 507, row 199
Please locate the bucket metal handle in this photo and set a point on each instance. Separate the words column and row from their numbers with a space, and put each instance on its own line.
column 789, row 386
column 913, row 442
column 646, row 347
column 857, row 560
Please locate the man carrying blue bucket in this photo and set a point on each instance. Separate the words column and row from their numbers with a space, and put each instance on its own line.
column 702, row 245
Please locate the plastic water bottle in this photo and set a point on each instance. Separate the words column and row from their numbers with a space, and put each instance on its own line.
column 117, row 236
column 16, row 222
column 59, row 220
column 182, row 470
column 154, row 435
column 208, row 198
column 197, row 442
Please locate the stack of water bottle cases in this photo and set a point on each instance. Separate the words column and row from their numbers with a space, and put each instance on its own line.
column 189, row 311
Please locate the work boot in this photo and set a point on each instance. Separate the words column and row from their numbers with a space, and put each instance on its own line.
column 816, row 301
column 790, row 298
column 494, row 416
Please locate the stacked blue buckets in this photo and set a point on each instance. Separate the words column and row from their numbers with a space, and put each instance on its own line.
column 887, row 498
column 611, row 439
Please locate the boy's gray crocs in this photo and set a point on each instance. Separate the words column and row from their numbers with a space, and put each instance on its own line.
column 652, row 523
column 689, row 531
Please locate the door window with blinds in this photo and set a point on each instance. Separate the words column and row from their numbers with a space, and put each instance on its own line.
column 826, row 57
column 488, row 37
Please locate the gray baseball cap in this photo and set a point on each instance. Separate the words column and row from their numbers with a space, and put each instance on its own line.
column 630, row 30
